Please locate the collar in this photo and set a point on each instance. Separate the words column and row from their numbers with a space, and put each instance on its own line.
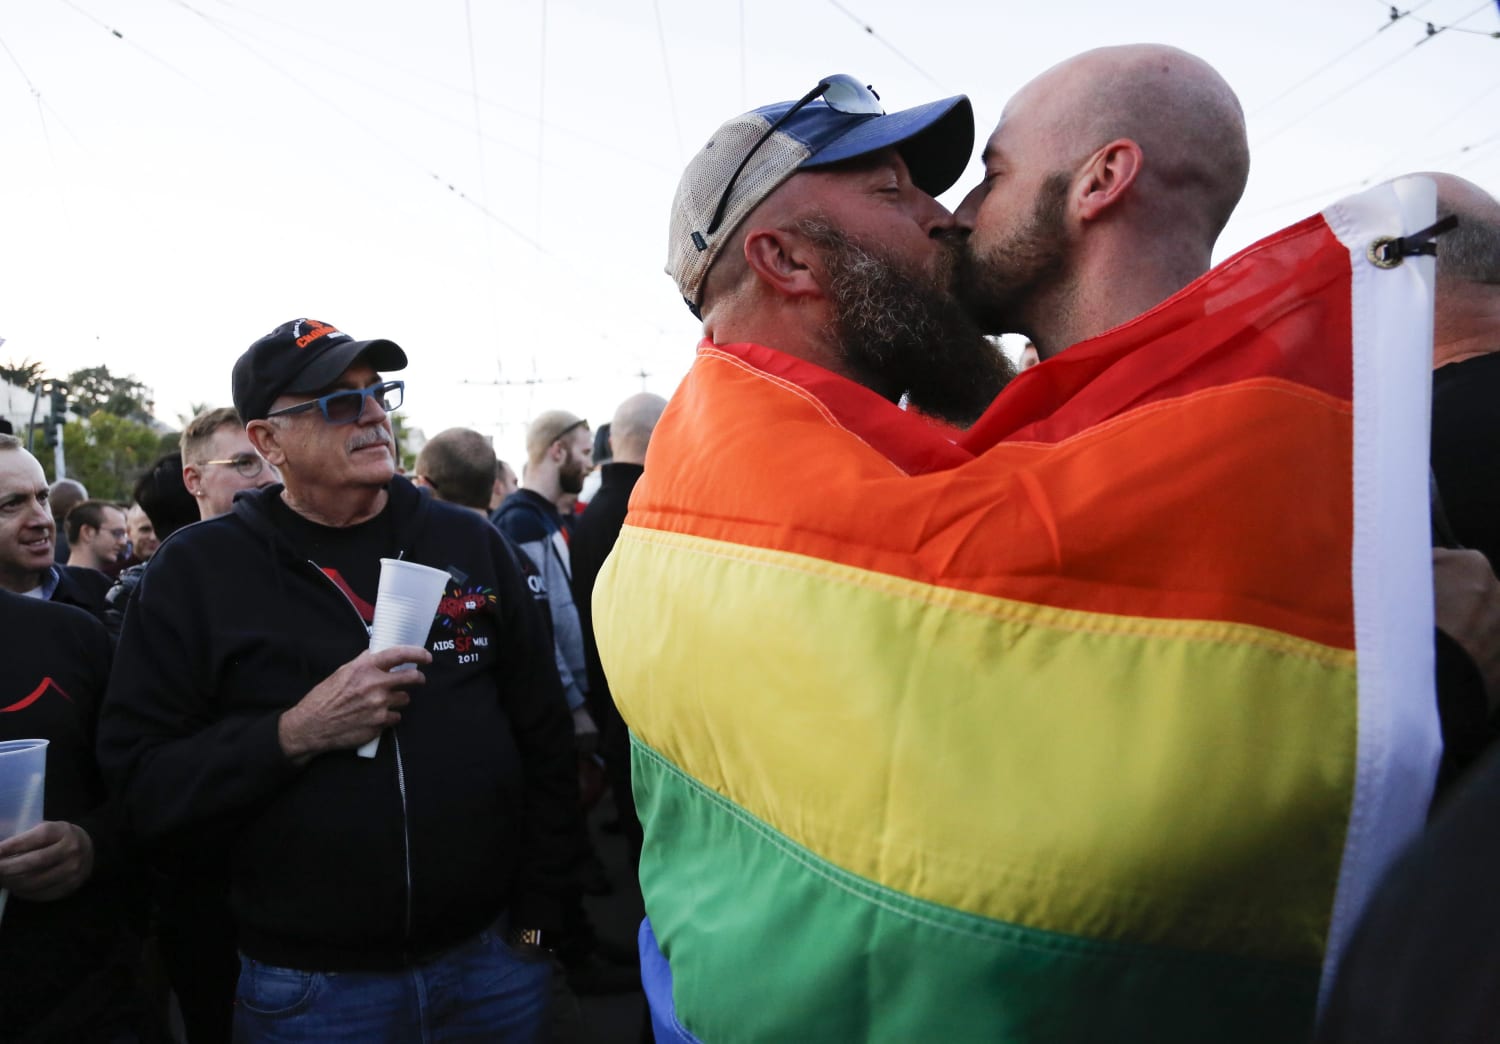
column 50, row 580
column 914, row 443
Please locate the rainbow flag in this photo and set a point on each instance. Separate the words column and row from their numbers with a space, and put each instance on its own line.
column 1097, row 724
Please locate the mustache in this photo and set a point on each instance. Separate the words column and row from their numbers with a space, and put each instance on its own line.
column 371, row 437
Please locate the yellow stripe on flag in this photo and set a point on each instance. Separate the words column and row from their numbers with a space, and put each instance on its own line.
column 1176, row 782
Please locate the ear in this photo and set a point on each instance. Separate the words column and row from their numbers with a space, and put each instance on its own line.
column 780, row 258
column 1106, row 178
column 266, row 439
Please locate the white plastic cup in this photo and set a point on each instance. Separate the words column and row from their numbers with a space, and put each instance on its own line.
column 405, row 604
column 23, row 778
column 23, row 789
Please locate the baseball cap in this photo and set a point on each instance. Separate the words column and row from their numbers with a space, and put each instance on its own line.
column 935, row 140
column 301, row 356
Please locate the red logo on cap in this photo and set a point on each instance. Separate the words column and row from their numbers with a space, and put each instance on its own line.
column 314, row 331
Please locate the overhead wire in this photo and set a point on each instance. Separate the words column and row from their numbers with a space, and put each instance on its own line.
column 870, row 31
column 1261, row 142
column 666, row 66
column 117, row 34
column 541, row 125
column 1409, row 148
column 367, row 59
column 366, row 128
column 1395, row 17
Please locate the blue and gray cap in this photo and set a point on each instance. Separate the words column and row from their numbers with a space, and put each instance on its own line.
column 935, row 140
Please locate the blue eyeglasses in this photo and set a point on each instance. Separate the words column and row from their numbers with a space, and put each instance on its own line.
column 346, row 407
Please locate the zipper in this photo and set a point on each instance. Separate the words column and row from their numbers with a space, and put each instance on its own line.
column 405, row 832
column 400, row 766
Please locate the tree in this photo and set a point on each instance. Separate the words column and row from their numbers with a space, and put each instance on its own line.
column 106, row 453
column 406, row 460
column 23, row 374
column 95, row 388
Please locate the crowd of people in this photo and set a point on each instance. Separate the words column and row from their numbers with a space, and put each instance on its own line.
column 718, row 617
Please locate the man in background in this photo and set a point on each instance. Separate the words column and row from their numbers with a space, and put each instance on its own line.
column 142, row 533
column 458, row 465
column 27, row 533
column 559, row 452
column 64, row 495
column 97, row 539
column 351, row 876
column 218, row 461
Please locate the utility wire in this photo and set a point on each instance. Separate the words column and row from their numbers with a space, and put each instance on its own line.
column 666, row 68
column 870, row 30
column 117, row 34
column 1409, row 148
column 1395, row 17
column 541, row 126
column 1432, row 31
column 474, row 92
column 367, row 59
column 369, row 130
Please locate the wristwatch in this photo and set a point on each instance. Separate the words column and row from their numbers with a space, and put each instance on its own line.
column 525, row 937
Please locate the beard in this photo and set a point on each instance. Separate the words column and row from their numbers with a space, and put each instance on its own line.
column 571, row 474
column 899, row 330
column 998, row 282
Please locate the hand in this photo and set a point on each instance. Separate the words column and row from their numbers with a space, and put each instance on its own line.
column 49, row 861
column 1466, row 602
column 585, row 732
column 351, row 706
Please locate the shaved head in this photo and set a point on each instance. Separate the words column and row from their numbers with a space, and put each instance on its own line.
column 630, row 429
column 1107, row 181
column 1181, row 112
column 1471, row 252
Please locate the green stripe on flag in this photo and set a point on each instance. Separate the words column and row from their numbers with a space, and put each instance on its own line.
column 767, row 942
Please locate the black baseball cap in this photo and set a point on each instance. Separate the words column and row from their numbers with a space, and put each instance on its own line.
column 299, row 357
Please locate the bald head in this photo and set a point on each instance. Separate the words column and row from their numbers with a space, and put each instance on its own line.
column 64, row 495
column 1466, row 317
column 1107, row 181
column 630, row 429
column 1469, row 253
column 1182, row 114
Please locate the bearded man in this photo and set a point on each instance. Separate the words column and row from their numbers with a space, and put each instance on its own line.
column 944, row 738
column 559, row 455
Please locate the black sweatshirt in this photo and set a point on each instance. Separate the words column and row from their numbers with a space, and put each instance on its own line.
column 346, row 863
column 56, row 667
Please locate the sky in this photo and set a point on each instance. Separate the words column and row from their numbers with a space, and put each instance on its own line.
column 487, row 183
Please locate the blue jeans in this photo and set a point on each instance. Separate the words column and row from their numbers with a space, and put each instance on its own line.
column 478, row 991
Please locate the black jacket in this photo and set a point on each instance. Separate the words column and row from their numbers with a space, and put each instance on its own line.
column 60, row 954
column 346, row 863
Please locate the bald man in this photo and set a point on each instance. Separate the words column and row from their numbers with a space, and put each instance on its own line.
column 1106, row 183
column 1466, row 358
column 593, row 539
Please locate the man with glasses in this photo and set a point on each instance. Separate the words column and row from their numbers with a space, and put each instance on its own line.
column 97, row 538
column 218, row 461
column 367, row 892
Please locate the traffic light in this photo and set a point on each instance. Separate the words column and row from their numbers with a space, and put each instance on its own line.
column 58, row 393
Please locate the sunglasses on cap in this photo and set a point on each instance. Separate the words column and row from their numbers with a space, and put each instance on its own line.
column 346, row 407
column 839, row 92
